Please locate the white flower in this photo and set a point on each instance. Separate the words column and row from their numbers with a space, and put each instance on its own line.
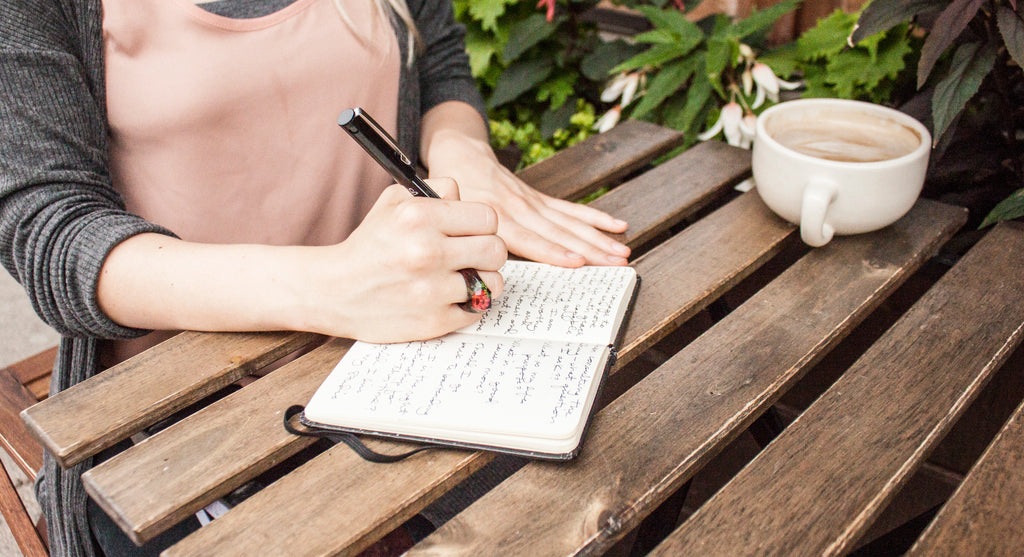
column 728, row 123
column 623, row 85
column 608, row 120
column 768, row 84
column 748, row 129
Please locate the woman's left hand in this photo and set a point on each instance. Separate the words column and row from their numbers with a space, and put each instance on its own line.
column 533, row 225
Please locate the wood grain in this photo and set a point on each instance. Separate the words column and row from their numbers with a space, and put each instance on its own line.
column 984, row 515
column 113, row 405
column 693, row 268
column 821, row 483
column 674, row 190
column 645, row 444
column 24, row 450
column 169, row 476
column 600, row 160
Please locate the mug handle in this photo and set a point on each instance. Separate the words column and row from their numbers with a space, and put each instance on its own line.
column 818, row 195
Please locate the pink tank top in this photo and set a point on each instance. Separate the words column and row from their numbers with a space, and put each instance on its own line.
column 225, row 130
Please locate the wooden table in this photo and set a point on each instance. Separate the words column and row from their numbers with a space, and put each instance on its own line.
column 714, row 262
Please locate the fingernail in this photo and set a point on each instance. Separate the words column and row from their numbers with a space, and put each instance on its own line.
column 620, row 222
column 616, row 260
column 621, row 248
column 573, row 255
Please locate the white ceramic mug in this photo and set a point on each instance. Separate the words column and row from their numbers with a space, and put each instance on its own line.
column 838, row 166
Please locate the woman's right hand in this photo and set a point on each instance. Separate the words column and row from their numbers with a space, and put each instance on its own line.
column 396, row 277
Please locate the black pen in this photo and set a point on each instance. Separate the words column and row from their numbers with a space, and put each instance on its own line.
column 376, row 141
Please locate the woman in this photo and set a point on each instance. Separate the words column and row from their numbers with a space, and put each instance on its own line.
column 169, row 166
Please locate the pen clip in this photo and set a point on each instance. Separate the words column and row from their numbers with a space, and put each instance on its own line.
column 384, row 135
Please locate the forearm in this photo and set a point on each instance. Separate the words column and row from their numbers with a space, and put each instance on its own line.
column 450, row 131
column 151, row 281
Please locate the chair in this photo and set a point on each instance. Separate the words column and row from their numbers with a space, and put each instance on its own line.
column 21, row 385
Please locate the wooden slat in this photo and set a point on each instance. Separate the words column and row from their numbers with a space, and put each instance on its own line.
column 645, row 444
column 821, row 483
column 155, row 484
column 679, row 278
column 34, row 372
column 97, row 413
column 675, row 189
column 600, row 160
column 24, row 450
column 17, row 519
column 984, row 515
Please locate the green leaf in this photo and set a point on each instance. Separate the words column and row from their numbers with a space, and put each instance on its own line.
column 761, row 19
column 519, row 78
column 481, row 49
column 1011, row 27
column 882, row 15
column 854, row 73
column 950, row 23
column 697, row 96
column 663, row 85
column 557, row 118
column 718, row 55
column 971, row 63
column 674, row 21
column 558, row 89
column 598, row 64
column 652, row 57
column 827, row 38
column 527, row 33
column 782, row 60
column 487, row 12
column 1010, row 208
column 656, row 36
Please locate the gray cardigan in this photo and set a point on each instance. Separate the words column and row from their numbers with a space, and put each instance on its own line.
column 59, row 216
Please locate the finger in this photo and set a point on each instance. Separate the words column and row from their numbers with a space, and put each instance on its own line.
column 594, row 217
column 569, row 231
column 550, row 236
column 447, row 188
column 462, row 218
column 530, row 245
column 483, row 253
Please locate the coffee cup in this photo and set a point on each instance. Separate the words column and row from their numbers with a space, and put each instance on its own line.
column 837, row 166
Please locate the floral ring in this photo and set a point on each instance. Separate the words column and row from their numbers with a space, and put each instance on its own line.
column 478, row 293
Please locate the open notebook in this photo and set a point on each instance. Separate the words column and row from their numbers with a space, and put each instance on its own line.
column 521, row 380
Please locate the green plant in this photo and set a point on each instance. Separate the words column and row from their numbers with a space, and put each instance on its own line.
column 533, row 145
column 691, row 68
column 970, row 89
column 874, row 69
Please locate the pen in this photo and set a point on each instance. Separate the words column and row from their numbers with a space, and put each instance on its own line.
column 376, row 141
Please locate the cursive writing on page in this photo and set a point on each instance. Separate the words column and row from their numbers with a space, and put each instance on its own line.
column 509, row 386
column 543, row 301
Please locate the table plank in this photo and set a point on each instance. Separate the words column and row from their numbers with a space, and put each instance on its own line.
column 678, row 282
column 645, row 444
column 600, row 160
column 169, row 476
column 125, row 399
column 819, row 486
column 984, row 515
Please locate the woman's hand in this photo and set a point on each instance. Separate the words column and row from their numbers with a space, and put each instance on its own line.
column 396, row 277
column 534, row 225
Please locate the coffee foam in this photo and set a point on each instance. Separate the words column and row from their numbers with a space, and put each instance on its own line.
column 845, row 136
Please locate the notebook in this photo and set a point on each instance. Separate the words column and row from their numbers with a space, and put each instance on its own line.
column 522, row 380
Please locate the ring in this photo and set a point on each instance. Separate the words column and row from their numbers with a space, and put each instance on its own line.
column 479, row 294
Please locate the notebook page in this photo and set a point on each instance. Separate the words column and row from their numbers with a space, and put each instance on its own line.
column 548, row 302
column 462, row 382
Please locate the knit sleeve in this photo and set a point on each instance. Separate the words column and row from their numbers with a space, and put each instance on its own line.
column 444, row 72
column 59, row 216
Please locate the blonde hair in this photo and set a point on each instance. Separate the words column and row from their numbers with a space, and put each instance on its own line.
column 387, row 11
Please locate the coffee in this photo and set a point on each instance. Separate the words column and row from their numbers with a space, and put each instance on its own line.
column 844, row 136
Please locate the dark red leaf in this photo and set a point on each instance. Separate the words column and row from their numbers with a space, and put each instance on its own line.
column 951, row 22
